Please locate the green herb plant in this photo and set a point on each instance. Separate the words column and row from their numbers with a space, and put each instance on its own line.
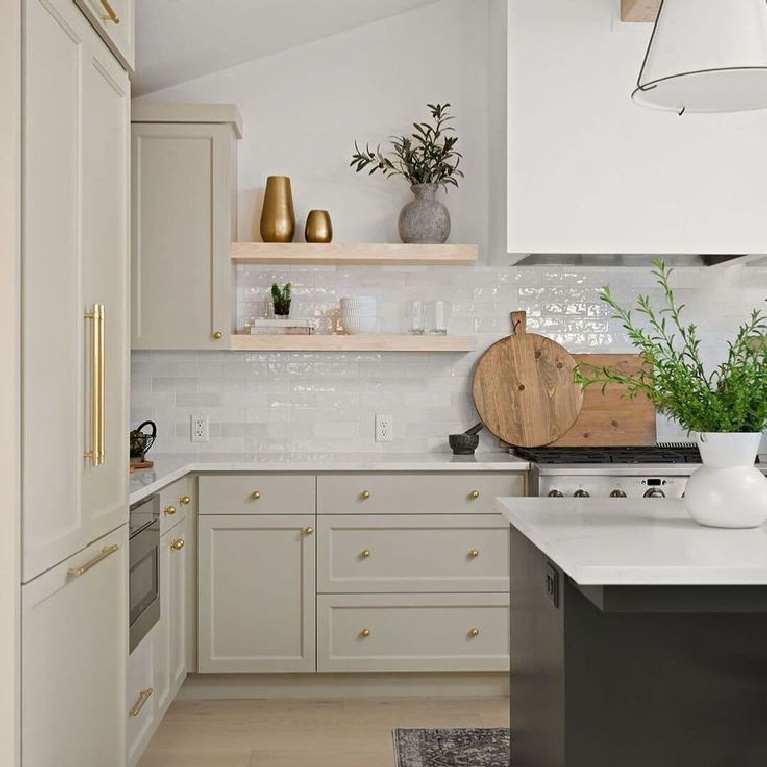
column 427, row 156
column 731, row 398
column 281, row 298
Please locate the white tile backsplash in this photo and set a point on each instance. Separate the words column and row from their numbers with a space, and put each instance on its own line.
column 276, row 403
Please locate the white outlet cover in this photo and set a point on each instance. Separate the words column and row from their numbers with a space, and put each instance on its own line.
column 384, row 428
column 200, row 428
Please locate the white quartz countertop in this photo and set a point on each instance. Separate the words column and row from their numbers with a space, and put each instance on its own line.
column 631, row 542
column 169, row 468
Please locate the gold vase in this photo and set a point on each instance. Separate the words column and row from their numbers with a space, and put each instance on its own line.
column 319, row 227
column 278, row 220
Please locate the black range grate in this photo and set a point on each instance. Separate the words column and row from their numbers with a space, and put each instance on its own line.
column 678, row 453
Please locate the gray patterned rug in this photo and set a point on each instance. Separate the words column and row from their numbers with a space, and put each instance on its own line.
column 451, row 748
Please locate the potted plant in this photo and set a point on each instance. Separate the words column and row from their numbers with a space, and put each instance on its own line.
column 428, row 161
column 281, row 299
column 726, row 406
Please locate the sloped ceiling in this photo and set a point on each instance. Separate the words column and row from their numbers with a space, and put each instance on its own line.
column 179, row 40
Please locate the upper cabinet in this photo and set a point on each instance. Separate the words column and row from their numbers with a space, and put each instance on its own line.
column 184, row 221
column 74, row 286
column 115, row 21
column 591, row 172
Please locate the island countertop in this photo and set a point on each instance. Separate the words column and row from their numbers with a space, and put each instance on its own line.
column 632, row 542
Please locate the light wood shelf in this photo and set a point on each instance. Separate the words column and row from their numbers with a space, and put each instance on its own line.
column 343, row 343
column 389, row 253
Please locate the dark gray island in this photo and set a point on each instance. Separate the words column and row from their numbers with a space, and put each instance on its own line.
column 638, row 638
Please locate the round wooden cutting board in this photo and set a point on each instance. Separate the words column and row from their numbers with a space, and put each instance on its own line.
column 524, row 390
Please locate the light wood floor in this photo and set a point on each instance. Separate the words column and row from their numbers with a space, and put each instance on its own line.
column 290, row 733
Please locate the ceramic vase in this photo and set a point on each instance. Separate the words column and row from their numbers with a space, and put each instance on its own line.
column 424, row 219
column 319, row 227
column 278, row 220
column 727, row 491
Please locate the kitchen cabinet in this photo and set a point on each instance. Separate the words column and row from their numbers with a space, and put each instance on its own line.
column 176, row 543
column 184, row 220
column 175, row 502
column 256, row 593
column 143, row 692
column 74, row 646
column 74, row 286
column 115, row 21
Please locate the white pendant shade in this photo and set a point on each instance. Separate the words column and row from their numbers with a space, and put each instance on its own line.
column 706, row 56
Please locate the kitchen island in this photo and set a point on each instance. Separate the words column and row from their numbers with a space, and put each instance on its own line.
column 637, row 637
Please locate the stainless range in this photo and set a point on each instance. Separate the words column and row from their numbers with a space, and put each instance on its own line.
column 619, row 472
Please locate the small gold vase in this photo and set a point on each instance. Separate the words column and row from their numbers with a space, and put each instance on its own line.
column 319, row 227
column 278, row 220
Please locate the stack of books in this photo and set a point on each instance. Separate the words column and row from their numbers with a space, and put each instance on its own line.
column 277, row 327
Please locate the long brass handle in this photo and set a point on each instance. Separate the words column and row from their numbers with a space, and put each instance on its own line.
column 143, row 697
column 111, row 15
column 98, row 385
column 76, row 572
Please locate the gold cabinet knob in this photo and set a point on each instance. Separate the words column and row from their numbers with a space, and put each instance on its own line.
column 365, row 633
column 308, row 531
column 185, row 499
column 365, row 554
column 255, row 495
column 365, row 494
column 474, row 632
column 170, row 510
column 474, row 495
column 177, row 544
column 473, row 554
column 218, row 335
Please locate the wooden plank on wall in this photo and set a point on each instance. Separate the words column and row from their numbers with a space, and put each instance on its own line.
column 639, row 10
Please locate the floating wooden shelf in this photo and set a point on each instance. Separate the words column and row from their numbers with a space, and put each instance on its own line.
column 361, row 343
column 640, row 10
column 296, row 253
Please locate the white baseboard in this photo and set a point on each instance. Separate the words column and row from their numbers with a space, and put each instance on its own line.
column 330, row 686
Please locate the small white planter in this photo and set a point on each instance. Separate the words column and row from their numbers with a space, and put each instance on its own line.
column 728, row 491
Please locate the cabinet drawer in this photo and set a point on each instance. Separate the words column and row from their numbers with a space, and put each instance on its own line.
column 257, row 494
column 402, row 553
column 175, row 502
column 141, row 700
column 413, row 632
column 433, row 493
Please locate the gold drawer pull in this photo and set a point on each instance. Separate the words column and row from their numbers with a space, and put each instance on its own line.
column 76, row 572
column 365, row 633
column 170, row 510
column 474, row 495
column 365, row 494
column 177, row 544
column 143, row 697
column 256, row 496
column 474, row 554
column 365, row 554
column 474, row 632
column 308, row 531
column 111, row 15
column 185, row 500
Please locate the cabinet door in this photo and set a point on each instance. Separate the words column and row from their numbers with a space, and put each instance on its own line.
column 115, row 21
column 183, row 280
column 177, row 604
column 74, row 650
column 257, row 593
column 142, row 703
column 74, row 249
column 161, row 631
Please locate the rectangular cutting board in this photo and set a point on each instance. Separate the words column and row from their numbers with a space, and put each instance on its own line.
column 608, row 420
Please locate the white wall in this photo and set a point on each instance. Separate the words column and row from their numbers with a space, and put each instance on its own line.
column 590, row 172
column 303, row 109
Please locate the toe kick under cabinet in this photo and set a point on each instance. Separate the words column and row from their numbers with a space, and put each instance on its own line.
column 352, row 572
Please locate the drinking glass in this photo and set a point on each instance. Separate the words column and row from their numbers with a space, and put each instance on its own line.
column 437, row 317
column 416, row 318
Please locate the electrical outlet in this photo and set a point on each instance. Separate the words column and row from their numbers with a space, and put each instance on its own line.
column 200, row 428
column 384, row 428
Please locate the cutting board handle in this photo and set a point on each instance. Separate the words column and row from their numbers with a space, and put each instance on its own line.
column 518, row 323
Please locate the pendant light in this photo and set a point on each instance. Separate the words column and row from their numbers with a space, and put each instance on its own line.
column 706, row 56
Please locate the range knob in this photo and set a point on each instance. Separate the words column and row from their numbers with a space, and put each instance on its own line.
column 618, row 494
column 581, row 494
column 556, row 494
column 655, row 492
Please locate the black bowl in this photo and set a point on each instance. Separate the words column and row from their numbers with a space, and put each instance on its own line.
column 464, row 444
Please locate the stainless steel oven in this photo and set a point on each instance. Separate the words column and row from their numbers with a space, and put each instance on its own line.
column 144, row 568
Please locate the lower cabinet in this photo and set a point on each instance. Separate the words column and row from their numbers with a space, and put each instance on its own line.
column 413, row 632
column 74, row 646
column 142, row 694
column 256, row 593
